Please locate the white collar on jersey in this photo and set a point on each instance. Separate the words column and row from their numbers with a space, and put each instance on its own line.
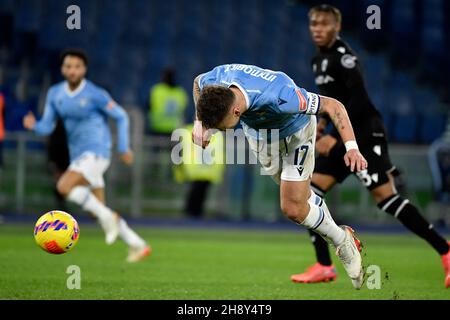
column 77, row 90
column 247, row 101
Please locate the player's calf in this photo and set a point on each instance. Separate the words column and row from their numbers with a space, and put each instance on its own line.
column 410, row 217
column 108, row 219
column 319, row 220
column 296, row 211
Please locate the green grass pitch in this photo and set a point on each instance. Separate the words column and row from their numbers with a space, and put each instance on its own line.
column 210, row 264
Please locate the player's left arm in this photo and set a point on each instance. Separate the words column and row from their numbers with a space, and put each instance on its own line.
column 338, row 115
column 293, row 99
column 120, row 116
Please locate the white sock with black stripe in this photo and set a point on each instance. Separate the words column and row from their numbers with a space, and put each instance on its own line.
column 317, row 190
column 130, row 237
column 83, row 196
column 319, row 220
column 409, row 215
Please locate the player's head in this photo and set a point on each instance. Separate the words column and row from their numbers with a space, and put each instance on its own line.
column 73, row 65
column 324, row 24
column 217, row 108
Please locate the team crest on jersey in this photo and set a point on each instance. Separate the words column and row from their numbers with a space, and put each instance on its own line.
column 348, row 61
column 83, row 102
column 110, row 104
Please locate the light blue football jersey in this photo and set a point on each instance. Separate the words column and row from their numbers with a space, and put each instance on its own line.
column 274, row 101
column 85, row 113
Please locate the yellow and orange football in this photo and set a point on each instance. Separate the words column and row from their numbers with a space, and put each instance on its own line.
column 56, row 232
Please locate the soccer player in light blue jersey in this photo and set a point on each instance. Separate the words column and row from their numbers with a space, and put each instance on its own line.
column 265, row 99
column 85, row 109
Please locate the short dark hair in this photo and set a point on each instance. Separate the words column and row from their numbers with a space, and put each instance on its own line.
column 79, row 53
column 328, row 9
column 213, row 105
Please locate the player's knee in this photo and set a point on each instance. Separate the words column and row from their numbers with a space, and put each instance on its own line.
column 63, row 188
column 382, row 193
column 295, row 210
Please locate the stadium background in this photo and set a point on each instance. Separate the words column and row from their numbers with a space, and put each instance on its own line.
column 406, row 64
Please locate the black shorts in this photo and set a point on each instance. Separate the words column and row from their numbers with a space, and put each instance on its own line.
column 376, row 154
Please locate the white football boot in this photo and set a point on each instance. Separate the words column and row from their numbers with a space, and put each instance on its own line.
column 136, row 254
column 349, row 254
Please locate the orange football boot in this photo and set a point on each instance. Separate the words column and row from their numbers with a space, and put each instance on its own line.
column 316, row 273
column 446, row 263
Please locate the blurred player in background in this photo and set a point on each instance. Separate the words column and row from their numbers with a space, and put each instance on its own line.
column 265, row 99
column 439, row 161
column 338, row 75
column 58, row 159
column 84, row 109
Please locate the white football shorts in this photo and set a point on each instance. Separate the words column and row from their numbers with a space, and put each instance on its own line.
column 92, row 167
column 292, row 159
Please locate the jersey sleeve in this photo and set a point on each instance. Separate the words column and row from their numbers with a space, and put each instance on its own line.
column 46, row 124
column 206, row 79
column 293, row 99
column 350, row 74
column 107, row 105
column 350, row 71
column 210, row 77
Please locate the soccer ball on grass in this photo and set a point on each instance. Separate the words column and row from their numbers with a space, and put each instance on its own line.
column 56, row 232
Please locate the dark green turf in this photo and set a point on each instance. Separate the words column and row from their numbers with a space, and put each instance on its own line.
column 210, row 264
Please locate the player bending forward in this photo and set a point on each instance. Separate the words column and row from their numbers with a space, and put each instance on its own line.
column 265, row 99
column 84, row 109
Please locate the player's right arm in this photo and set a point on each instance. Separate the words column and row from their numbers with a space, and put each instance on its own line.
column 200, row 134
column 113, row 110
column 46, row 125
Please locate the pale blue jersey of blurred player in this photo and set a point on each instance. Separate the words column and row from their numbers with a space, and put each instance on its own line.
column 85, row 114
column 274, row 101
column 85, row 108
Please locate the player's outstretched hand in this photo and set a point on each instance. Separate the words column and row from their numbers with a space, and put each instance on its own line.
column 127, row 157
column 200, row 135
column 29, row 121
column 355, row 160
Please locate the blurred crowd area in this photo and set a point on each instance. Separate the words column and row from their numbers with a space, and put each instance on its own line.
column 129, row 43
column 138, row 49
